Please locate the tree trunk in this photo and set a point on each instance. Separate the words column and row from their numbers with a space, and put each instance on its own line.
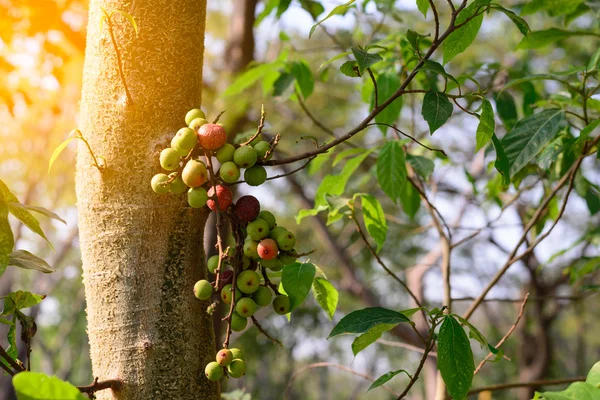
column 142, row 252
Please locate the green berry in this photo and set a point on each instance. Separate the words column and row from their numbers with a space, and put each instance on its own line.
column 212, row 264
column 178, row 186
column 250, row 249
column 285, row 241
column 256, row 175
column 197, row 197
column 281, row 304
column 229, row 172
column 245, row 262
column 203, row 289
column 237, row 368
column 160, row 186
column 169, row 159
column 185, row 139
column 194, row 173
column 287, row 258
column 213, row 371
column 197, row 123
column 245, row 156
column 248, row 281
column 262, row 148
column 258, row 229
column 224, row 357
column 278, row 230
column 193, row 114
column 246, row 307
column 226, row 294
column 262, row 297
column 274, row 264
column 238, row 323
column 269, row 217
column 225, row 153
column 181, row 152
column 237, row 353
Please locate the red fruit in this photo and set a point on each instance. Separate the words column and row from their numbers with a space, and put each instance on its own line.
column 247, row 208
column 267, row 249
column 212, row 136
column 223, row 195
column 225, row 278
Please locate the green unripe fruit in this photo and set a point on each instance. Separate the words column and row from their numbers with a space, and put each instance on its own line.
column 245, row 262
column 262, row 297
column 278, row 230
column 178, row 186
column 193, row 114
column 237, row 353
column 169, row 159
column 159, row 184
column 229, row 172
column 225, row 153
column 269, row 217
column 245, row 156
column 184, row 139
column 212, row 264
column 258, row 229
column 224, row 357
column 194, row 173
column 213, row 371
column 251, row 249
column 197, row 197
column 281, row 304
column 262, row 148
column 197, row 123
column 181, row 152
column 248, row 281
column 226, row 294
column 246, row 307
column 287, row 258
column 274, row 264
column 237, row 368
column 203, row 290
column 285, row 241
column 256, row 175
column 238, row 323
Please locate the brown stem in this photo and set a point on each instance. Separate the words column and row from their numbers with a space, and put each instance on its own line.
column 547, row 382
column 114, row 384
column 374, row 86
column 261, row 125
column 264, row 332
column 16, row 366
column 409, row 136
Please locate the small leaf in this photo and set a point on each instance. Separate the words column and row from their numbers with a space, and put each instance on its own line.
column 437, row 109
column 249, row 77
column 7, row 240
column 364, row 59
column 422, row 165
column 282, row 83
column 374, row 218
column 314, row 8
column 437, row 68
column 21, row 213
column 361, row 321
column 391, row 170
column 518, row 21
column 370, row 337
column 383, row 379
column 304, row 77
column 539, row 39
column 26, row 260
column 38, row 386
column 387, row 84
column 130, row 19
column 502, row 164
column 575, row 391
column 410, row 199
column 455, row 358
column 487, row 125
column 347, row 153
column 593, row 377
column 507, row 110
column 341, row 9
column 350, row 68
column 474, row 332
column 42, row 210
column 20, row 300
column 459, row 40
column 59, row 150
column 326, row 296
column 423, row 6
column 587, row 131
column 297, row 279
column 557, row 7
column 341, row 55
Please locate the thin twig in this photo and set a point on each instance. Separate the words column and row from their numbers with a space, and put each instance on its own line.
column 406, row 346
column 16, row 366
column 261, row 125
column 374, row 87
column 547, row 382
column 264, row 332
column 408, row 136
column 114, row 384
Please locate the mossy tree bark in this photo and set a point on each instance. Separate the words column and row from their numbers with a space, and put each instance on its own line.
column 142, row 253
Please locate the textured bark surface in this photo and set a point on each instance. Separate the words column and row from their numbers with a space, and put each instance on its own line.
column 142, row 253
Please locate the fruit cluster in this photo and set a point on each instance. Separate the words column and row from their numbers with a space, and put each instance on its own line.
column 257, row 243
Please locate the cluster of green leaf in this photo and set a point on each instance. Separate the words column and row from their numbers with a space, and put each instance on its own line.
column 588, row 390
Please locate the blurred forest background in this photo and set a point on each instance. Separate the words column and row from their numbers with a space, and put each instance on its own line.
column 42, row 45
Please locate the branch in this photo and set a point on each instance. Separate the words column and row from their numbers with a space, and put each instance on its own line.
column 261, row 125
column 114, row 384
column 374, row 86
column 409, row 136
column 547, row 382
column 264, row 332
column 16, row 366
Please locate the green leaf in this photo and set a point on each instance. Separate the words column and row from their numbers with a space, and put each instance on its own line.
column 20, row 212
column 269, row 7
column 365, row 59
column 437, row 68
column 297, row 279
column 336, row 184
column 361, row 321
column 326, row 296
column 507, row 109
column 350, row 68
column 410, row 199
column 314, row 8
column 19, row 300
column 282, row 7
column 557, row 7
column 374, row 218
column 40, row 210
column 587, row 131
column 487, row 125
column 38, row 386
column 370, row 337
column 11, row 338
column 341, row 55
column 436, row 110
column 130, row 19
column 341, row 9
column 414, row 38
column 304, row 77
column 248, row 78
column 473, row 332
column 455, row 358
column 538, row 39
column 59, row 149
column 594, row 60
column 593, row 377
column 459, row 40
column 7, row 240
column 502, row 163
column 391, row 170
column 575, row 391
column 518, row 21
column 282, row 83
column 423, row 6
column 530, row 135
column 347, row 153
column 383, row 379
column 422, row 165
column 26, row 260
column 387, row 84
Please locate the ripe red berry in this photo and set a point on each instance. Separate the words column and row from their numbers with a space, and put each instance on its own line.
column 247, row 208
column 212, row 136
column 267, row 249
column 223, row 195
